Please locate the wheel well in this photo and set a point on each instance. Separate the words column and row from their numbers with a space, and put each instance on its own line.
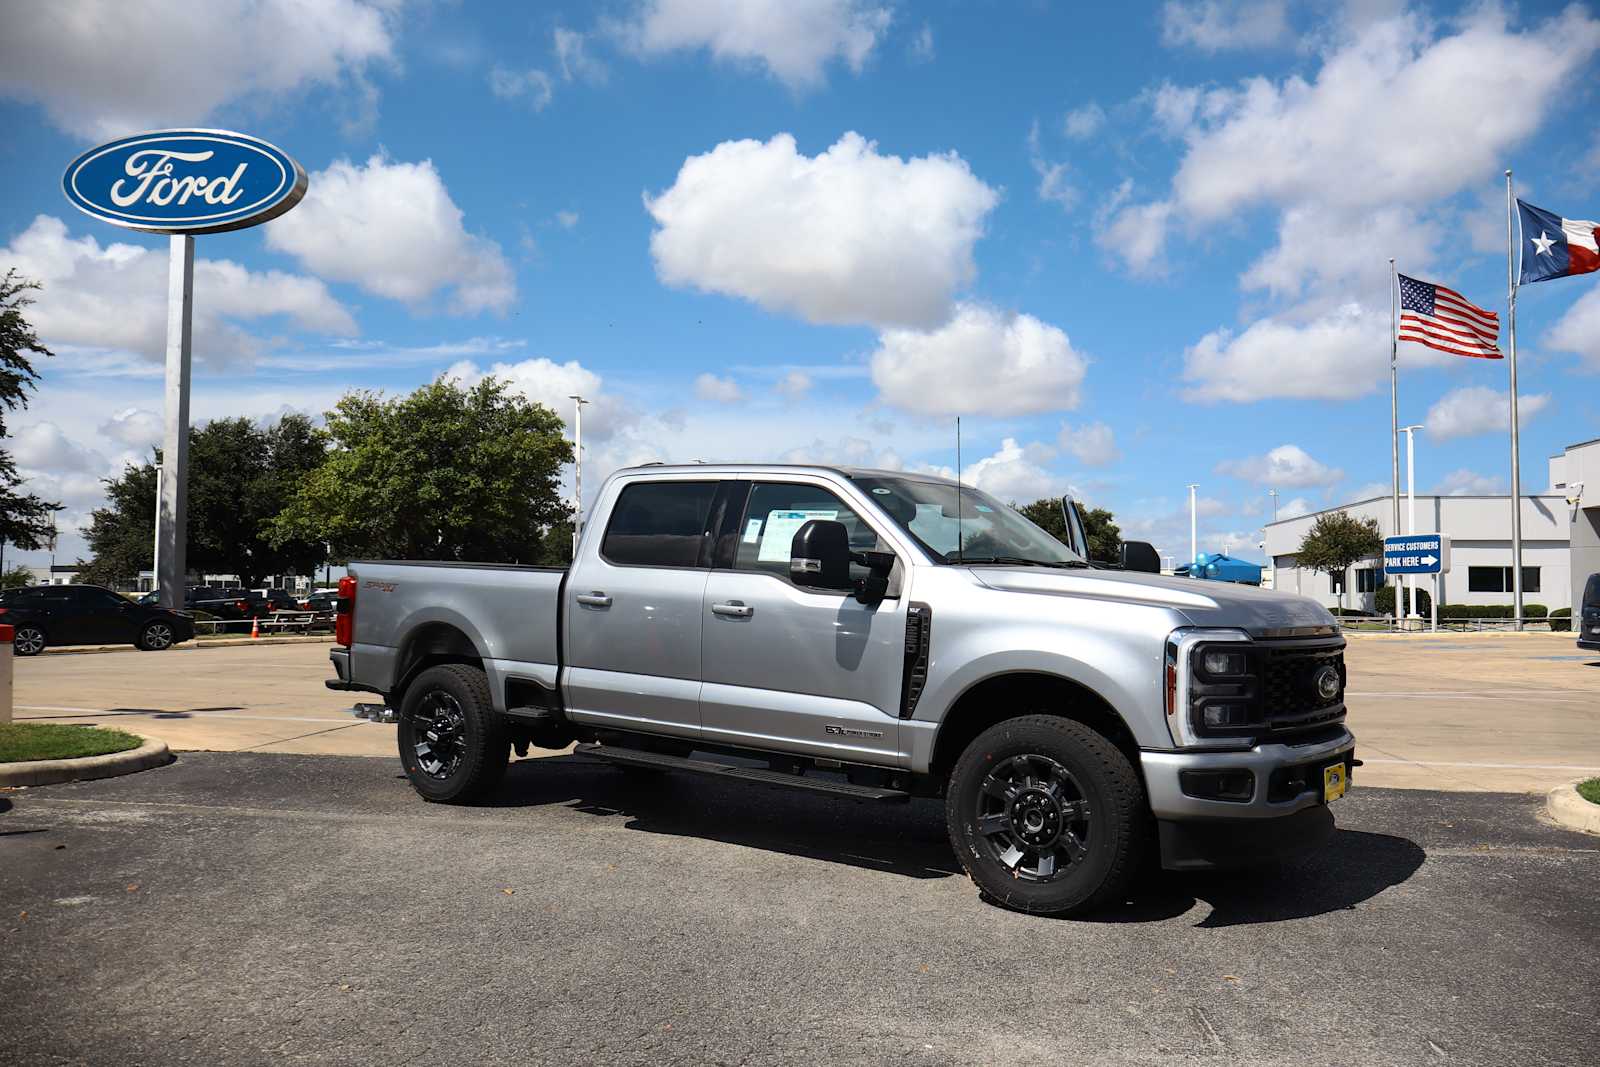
column 1007, row 696
column 428, row 646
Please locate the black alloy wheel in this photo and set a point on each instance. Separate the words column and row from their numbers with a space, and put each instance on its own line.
column 453, row 744
column 1047, row 815
column 28, row 640
column 1033, row 817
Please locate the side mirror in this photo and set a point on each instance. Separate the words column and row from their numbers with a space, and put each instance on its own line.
column 1140, row 556
column 819, row 555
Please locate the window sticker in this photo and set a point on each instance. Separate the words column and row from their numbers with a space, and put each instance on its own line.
column 752, row 531
column 881, row 491
column 780, row 530
column 986, row 509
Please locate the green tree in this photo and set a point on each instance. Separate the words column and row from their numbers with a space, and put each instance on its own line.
column 240, row 477
column 445, row 473
column 25, row 520
column 1335, row 541
column 1105, row 537
column 15, row 577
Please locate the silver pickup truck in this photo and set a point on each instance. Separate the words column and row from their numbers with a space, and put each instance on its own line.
column 877, row 635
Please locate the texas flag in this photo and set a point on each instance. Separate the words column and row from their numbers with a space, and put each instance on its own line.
column 1554, row 247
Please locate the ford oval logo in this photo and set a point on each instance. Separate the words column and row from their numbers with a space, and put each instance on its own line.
column 1328, row 683
column 185, row 181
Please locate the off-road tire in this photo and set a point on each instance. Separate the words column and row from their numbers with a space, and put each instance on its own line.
column 1118, row 822
column 486, row 743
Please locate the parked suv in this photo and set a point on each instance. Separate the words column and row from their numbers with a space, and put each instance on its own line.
column 87, row 615
column 1589, row 615
column 877, row 635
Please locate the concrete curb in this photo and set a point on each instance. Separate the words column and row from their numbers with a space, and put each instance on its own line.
column 52, row 771
column 221, row 642
column 1566, row 808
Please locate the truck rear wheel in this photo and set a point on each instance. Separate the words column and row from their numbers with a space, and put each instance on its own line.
column 453, row 744
column 1047, row 816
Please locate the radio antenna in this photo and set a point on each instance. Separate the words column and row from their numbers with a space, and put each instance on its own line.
column 960, row 556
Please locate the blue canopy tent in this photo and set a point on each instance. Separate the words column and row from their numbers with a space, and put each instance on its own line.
column 1222, row 568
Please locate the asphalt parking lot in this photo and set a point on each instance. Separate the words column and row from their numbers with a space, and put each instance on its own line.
column 241, row 908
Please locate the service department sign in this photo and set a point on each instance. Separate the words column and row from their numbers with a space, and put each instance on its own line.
column 185, row 181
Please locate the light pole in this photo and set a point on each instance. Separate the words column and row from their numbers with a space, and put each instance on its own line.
column 577, row 468
column 1411, row 515
column 1194, row 539
column 1273, row 559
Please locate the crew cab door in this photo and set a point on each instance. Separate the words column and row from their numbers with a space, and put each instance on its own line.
column 632, row 607
column 795, row 669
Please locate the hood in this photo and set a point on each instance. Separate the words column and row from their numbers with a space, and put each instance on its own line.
column 1204, row 603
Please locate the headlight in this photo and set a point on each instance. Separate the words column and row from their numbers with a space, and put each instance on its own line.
column 1212, row 689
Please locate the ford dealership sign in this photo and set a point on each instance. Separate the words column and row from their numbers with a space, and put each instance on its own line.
column 185, row 181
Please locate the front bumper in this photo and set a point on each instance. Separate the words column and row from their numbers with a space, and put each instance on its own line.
column 1285, row 811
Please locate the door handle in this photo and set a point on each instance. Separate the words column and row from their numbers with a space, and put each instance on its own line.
column 595, row 599
column 733, row 609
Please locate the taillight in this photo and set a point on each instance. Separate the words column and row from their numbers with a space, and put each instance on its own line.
column 344, row 619
column 244, row 607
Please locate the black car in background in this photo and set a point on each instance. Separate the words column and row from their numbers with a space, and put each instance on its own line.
column 1589, row 615
column 87, row 615
column 226, row 603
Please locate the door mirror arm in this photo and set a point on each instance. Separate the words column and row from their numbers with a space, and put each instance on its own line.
column 875, row 586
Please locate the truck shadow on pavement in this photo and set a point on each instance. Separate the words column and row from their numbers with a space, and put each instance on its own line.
column 910, row 840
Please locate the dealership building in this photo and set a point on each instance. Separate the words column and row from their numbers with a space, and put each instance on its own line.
column 1560, row 543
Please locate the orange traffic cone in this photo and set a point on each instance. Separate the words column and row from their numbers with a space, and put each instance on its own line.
column 255, row 628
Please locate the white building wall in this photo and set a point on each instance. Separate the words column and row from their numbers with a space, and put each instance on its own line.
column 1479, row 529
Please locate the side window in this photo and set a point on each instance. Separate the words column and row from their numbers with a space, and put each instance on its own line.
column 659, row 524
column 777, row 510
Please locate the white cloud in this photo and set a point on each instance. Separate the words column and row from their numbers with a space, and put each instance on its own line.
column 567, row 219
column 1295, row 508
column 1092, row 444
column 393, row 229
column 1016, row 472
column 134, row 428
column 1466, row 482
column 718, row 390
column 101, row 68
column 848, row 236
column 794, row 385
column 1479, row 409
column 794, row 40
column 43, row 447
column 531, row 86
column 1083, row 122
column 577, row 64
column 922, row 44
column 1290, row 143
column 114, row 297
column 1370, row 490
column 1337, row 356
column 847, row 451
column 552, row 384
column 1215, row 25
column 1055, row 183
column 1287, row 466
column 982, row 361
column 1578, row 329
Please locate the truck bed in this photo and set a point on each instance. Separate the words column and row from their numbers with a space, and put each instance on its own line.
column 509, row 613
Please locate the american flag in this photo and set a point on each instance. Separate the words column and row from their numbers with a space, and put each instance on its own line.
column 1442, row 318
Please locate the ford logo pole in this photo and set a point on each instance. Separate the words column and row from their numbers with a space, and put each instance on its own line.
column 182, row 183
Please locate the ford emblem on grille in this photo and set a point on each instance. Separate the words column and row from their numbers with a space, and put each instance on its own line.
column 1328, row 683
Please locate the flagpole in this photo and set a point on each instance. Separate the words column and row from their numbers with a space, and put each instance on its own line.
column 1394, row 411
column 1516, row 459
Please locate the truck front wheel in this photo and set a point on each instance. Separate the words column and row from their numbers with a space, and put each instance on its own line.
column 453, row 744
column 1046, row 815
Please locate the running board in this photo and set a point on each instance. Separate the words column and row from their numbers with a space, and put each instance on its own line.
column 639, row 758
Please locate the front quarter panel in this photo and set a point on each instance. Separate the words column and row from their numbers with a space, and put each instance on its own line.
column 1111, row 647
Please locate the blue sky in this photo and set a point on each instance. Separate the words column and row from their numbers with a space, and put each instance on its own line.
column 1133, row 246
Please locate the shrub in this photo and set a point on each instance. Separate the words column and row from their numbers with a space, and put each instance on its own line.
column 1561, row 620
column 1383, row 601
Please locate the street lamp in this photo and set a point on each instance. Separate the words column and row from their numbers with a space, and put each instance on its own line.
column 1273, row 493
column 1411, row 515
column 577, row 468
column 1194, row 540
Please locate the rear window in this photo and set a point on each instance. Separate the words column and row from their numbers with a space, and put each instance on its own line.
column 1591, row 592
column 659, row 524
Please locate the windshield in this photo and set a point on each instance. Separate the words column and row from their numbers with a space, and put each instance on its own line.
column 988, row 530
